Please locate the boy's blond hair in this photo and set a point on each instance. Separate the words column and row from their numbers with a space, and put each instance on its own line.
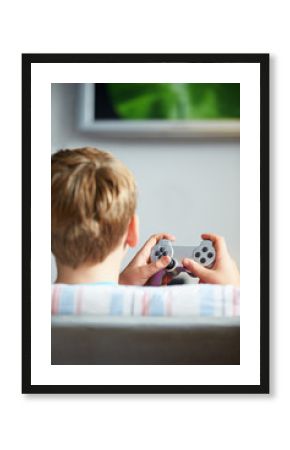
column 93, row 198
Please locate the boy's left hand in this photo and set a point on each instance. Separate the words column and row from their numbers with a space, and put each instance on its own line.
column 141, row 269
column 224, row 270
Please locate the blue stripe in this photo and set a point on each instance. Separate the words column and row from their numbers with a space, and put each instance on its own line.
column 206, row 301
column 156, row 305
column 66, row 302
column 116, row 307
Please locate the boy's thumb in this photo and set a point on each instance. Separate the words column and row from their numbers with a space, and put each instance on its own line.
column 158, row 265
column 196, row 269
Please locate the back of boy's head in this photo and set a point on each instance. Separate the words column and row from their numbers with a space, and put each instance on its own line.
column 93, row 198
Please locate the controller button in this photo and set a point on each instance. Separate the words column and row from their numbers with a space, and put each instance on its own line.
column 197, row 255
column 162, row 249
column 164, row 253
column 171, row 264
column 210, row 255
column 204, row 249
column 202, row 260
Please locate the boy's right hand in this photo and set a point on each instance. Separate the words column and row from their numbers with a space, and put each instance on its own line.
column 141, row 268
column 224, row 271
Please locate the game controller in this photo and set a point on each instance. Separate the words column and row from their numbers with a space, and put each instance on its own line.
column 204, row 254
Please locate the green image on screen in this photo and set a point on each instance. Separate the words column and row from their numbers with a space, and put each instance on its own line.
column 167, row 101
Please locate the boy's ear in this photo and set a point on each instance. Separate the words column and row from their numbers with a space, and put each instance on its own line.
column 133, row 232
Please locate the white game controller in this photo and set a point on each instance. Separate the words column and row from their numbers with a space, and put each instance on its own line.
column 204, row 254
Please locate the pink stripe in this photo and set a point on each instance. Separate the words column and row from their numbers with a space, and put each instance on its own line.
column 145, row 305
column 235, row 302
column 55, row 299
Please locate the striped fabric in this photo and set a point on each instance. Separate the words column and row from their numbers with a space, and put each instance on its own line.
column 185, row 300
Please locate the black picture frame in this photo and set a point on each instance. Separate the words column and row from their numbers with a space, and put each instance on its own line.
column 263, row 61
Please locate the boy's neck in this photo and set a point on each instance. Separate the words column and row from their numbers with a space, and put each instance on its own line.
column 106, row 271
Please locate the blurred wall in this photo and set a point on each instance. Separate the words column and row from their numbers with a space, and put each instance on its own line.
column 185, row 187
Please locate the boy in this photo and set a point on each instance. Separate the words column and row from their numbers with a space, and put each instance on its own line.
column 93, row 203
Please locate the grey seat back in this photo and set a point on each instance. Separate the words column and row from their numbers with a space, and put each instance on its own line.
column 144, row 340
